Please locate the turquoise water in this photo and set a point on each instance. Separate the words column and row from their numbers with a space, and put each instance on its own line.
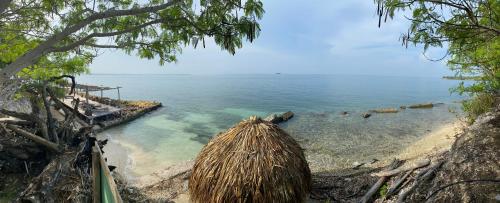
column 196, row 107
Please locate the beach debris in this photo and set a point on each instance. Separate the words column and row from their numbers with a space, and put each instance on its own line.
column 373, row 161
column 421, row 106
column 366, row 115
column 111, row 167
column 397, row 185
column 356, row 164
column 385, row 110
column 415, row 165
column 249, row 158
column 422, row 176
column 276, row 119
column 375, row 187
column 37, row 139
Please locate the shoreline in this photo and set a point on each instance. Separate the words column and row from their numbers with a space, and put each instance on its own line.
column 434, row 142
column 431, row 144
column 171, row 182
column 437, row 141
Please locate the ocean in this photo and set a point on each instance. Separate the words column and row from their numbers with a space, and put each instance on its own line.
column 197, row 107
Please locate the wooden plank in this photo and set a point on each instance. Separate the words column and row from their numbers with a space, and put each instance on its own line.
column 107, row 178
column 96, row 174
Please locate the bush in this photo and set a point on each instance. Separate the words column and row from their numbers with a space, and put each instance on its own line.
column 479, row 104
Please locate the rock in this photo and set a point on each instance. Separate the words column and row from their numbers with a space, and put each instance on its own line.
column 111, row 168
column 387, row 110
column 287, row 116
column 273, row 118
column 420, row 106
column 402, row 107
column 366, row 115
column 345, row 113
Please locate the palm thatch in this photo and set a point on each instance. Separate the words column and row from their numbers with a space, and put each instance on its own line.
column 255, row 161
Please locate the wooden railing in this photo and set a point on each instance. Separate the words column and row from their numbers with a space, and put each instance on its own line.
column 103, row 184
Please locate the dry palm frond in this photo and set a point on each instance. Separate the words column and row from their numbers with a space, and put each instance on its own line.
column 255, row 161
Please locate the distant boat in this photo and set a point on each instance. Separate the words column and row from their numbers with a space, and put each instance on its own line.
column 277, row 73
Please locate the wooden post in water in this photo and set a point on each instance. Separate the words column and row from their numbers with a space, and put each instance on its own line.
column 87, row 94
column 118, row 88
column 101, row 92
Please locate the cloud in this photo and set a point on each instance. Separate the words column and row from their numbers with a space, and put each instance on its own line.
column 300, row 37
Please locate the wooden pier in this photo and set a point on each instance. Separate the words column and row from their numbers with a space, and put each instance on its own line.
column 90, row 110
column 98, row 110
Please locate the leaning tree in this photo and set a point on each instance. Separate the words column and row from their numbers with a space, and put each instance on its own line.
column 468, row 29
column 155, row 28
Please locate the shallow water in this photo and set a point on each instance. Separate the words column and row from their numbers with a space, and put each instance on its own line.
column 197, row 107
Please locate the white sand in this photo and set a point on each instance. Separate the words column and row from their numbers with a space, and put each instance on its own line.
column 434, row 142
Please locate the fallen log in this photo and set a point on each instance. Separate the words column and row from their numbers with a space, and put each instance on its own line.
column 423, row 175
column 366, row 198
column 17, row 122
column 418, row 164
column 396, row 186
column 39, row 140
column 421, row 106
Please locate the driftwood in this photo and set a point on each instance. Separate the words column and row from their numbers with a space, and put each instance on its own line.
column 379, row 183
column 418, row 164
column 422, row 176
column 50, row 145
column 397, row 185
column 65, row 179
column 17, row 122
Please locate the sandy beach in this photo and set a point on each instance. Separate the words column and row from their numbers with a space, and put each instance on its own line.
column 434, row 142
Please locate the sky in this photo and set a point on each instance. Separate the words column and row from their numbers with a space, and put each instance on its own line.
column 300, row 37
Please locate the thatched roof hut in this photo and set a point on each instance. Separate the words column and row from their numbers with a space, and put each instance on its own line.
column 255, row 161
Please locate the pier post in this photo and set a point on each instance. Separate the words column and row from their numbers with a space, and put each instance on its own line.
column 118, row 88
column 87, row 94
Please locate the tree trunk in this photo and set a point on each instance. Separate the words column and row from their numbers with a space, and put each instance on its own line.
column 35, row 138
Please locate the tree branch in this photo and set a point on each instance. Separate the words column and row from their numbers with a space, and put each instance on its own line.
column 105, row 34
column 30, row 57
column 4, row 4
